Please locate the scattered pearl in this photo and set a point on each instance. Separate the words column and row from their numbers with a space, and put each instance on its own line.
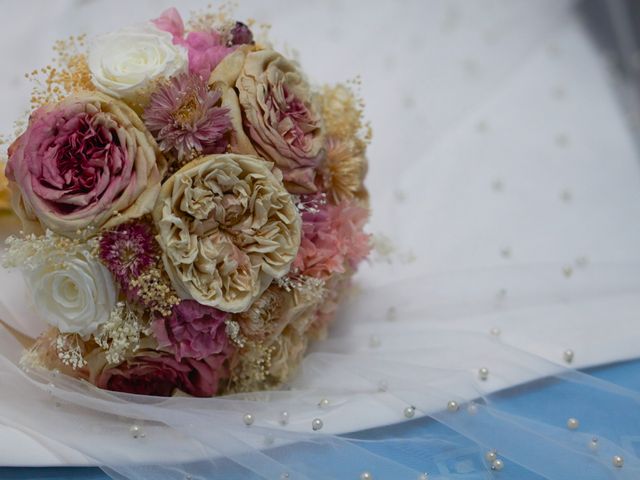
column 188, row 477
column 284, row 418
column 248, row 419
column 423, row 476
column 573, row 424
column 567, row 271
column 410, row 411
column 284, row 476
column 383, row 386
column 366, row 476
column 490, row 456
column 497, row 465
column 593, row 444
column 505, row 252
column 483, row 373
column 495, row 331
column 374, row 341
column 324, row 403
column 452, row 406
column 617, row 461
column 136, row 431
column 568, row 355
column 472, row 409
column 316, row 424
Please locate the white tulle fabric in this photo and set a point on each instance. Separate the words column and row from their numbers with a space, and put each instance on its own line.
column 505, row 192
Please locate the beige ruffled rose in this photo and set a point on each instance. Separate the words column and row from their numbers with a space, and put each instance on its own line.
column 85, row 162
column 280, row 113
column 227, row 227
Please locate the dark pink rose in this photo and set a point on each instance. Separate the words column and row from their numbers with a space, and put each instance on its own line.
column 160, row 374
column 87, row 161
column 193, row 331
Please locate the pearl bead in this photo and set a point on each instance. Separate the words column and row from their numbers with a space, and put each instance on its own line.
column 284, row 476
column 617, row 461
column 483, row 373
column 568, row 355
column 490, row 456
column 452, row 406
column 593, row 444
column 324, row 403
column 136, row 431
column 423, row 476
column 366, row 476
column 410, row 411
column 316, row 424
column 495, row 331
column 497, row 465
column 374, row 341
column 472, row 409
column 573, row 424
column 284, row 418
column 248, row 419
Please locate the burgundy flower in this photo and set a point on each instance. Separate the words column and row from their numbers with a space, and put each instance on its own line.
column 186, row 118
column 161, row 374
column 240, row 35
column 193, row 331
column 128, row 250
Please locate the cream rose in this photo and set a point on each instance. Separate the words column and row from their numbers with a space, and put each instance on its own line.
column 227, row 227
column 72, row 291
column 280, row 113
column 124, row 62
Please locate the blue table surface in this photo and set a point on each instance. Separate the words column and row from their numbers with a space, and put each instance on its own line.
column 549, row 394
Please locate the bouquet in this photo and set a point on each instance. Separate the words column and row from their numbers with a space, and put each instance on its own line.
column 192, row 208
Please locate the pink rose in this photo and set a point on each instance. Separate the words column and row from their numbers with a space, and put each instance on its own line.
column 193, row 331
column 87, row 161
column 160, row 374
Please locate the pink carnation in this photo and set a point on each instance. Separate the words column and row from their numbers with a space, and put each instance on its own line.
column 161, row 374
column 193, row 331
column 207, row 48
column 332, row 237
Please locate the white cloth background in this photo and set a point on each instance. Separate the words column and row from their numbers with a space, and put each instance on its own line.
column 504, row 178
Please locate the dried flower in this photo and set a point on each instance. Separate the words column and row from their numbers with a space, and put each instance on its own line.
column 187, row 119
column 332, row 237
column 128, row 250
column 227, row 228
column 193, row 331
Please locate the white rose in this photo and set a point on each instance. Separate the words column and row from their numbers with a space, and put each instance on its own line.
column 75, row 293
column 124, row 62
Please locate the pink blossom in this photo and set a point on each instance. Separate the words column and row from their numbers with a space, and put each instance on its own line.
column 332, row 237
column 160, row 374
column 193, row 331
column 206, row 48
column 171, row 21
